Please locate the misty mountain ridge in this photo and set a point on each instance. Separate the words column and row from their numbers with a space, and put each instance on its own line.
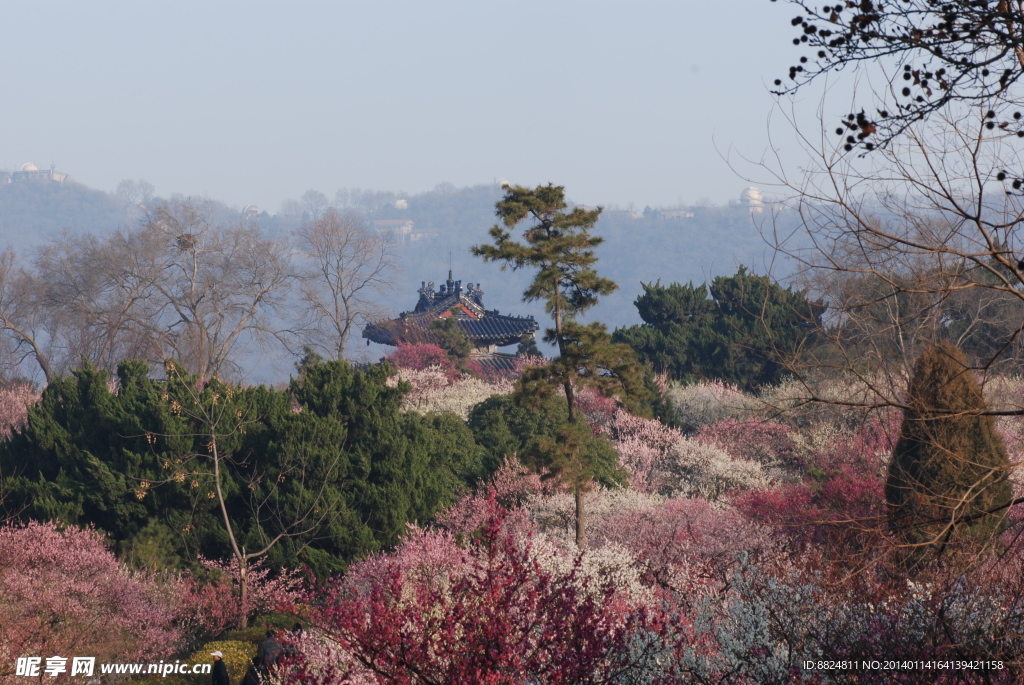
column 434, row 231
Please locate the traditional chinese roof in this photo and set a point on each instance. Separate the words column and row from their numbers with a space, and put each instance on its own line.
column 482, row 327
column 496, row 362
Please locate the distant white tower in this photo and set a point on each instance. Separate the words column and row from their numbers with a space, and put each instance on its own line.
column 29, row 170
column 752, row 199
column 401, row 204
column 503, row 183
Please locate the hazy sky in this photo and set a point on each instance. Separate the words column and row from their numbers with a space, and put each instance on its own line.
column 256, row 102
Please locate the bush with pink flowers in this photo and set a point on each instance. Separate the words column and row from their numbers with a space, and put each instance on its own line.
column 420, row 356
column 62, row 592
column 15, row 399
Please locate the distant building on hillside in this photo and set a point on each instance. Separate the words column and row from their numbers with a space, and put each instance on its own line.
column 752, row 199
column 676, row 214
column 402, row 230
column 30, row 172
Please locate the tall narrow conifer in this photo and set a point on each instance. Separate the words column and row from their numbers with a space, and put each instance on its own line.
column 948, row 480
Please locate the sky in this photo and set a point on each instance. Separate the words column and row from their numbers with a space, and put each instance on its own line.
column 621, row 102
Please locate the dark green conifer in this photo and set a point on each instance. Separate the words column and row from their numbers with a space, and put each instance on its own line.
column 557, row 243
column 948, row 483
column 452, row 340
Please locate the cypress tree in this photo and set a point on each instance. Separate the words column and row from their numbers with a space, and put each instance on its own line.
column 949, row 472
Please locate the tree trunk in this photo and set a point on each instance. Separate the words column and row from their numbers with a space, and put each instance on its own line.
column 243, row 593
column 581, row 532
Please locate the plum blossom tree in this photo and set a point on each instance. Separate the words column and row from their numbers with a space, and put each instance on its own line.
column 212, row 604
column 497, row 618
column 420, row 356
column 15, row 399
column 63, row 593
column 433, row 390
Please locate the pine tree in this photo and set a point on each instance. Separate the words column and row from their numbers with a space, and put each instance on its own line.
column 948, row 480
column 558, row 244
column 450, row 338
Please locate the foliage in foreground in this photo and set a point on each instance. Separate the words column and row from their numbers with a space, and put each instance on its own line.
column 736, row 588
column 62, row 592
column 665, row 594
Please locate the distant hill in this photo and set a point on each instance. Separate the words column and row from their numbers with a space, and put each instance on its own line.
column 32, row 211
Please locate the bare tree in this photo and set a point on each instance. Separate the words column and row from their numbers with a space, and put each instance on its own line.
column 74, row 301
column 213, row 289
column 135, row 192
column 179, row 286
column 94, row 301
column 345, row 267
column 938, row 55
column 218, row 414
column 315, row 203
column 913, row 245
column 23, row 331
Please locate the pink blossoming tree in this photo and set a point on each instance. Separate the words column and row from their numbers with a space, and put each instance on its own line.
column 63, row 593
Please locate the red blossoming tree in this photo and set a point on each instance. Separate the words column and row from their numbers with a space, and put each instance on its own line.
column 488, row 614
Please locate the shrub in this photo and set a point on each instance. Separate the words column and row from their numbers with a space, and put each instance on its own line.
column 420, row 356
column 554, row 513
column 597, row 409
column 511, row 486
column 696, row 469
column 950, row 465
column 62, row 592
column 766, row 442
column 700, row 404
column 839, row 504
column 433, row 390
column 212, row 604
column 661, row 460
column 684, row 545
column 641, row 444
column 237, row 657
column 500, row 618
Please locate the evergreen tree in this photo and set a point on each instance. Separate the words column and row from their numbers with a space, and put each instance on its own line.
column 450, row 338
column 677, row 328
column 948, row 477
column 745, row 333
column 558, row 244
column 508, row 430
column 528, row 346
column 330, row 464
